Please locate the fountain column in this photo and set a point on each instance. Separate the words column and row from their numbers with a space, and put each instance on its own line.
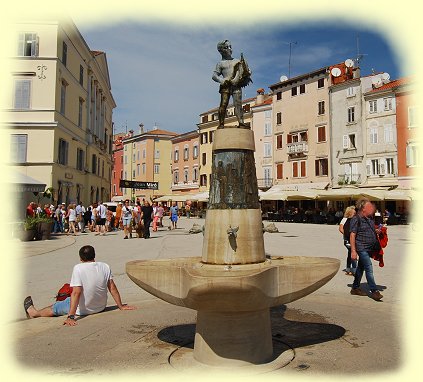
column 233, row 227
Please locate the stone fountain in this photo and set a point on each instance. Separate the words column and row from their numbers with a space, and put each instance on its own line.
column 233, row 285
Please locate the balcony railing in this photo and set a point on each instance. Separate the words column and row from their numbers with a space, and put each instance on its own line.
column 297, row 147
column 349, row 179
column 264, row 183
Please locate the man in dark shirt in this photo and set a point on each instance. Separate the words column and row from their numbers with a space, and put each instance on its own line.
column 363, row 237
column 146, row 216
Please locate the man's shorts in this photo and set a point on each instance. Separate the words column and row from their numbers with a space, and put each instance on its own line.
column 101, row 221
column 61, row 308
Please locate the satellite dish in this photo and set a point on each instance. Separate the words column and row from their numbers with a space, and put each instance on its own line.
column 349, row 63
column 377, row 82
column 336, row 72
column 385, row 77
column 283, row 78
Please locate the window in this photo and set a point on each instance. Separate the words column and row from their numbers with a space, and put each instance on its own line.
column 64, row 53
column 267, row 148
column 205, row 119
column 268, row 114
column 138, row 169
column 388, row 134
column 412, row 154
column 22, row 94
column 143, row 153
column 294, row 91
column 133, row 157
column 214, row 117
column 321, row 167
column 156, row 168
column 28, row 45
column 267, row 175
column 185, row 176
column 195, row 151
column 302, row 89
column 349, row 141
column 303, row 136
column 176, row 155
column 412, row 116
column 204, row 159
column 94, row 165
column 279, row 170
column 390, row 166
column 80, row 159
column 121, row 174
column 373, row 135
column 203, row 180
column 81, row 75
column 195, row 174
column 279, row 139
column 126, row 159
column 175, row 177
column 211, row 135
column 279, row 118
column 321, row 134
column 18, row 148
column 204, row 138
column 138, row 155
column 387, row 103
column 374, row 166
column 246, row 108
column 373, row 106
column 80, row 108
column 267, row 129
column 157, row 154
column 321, row 107
column 63, row 152
column 279, row 96
column 299, row 169
column 133, row 174
column 351, row 112
column 143, row 168
column 320, row 83
column 350, row 91
column 186, row 153
column 63, row 97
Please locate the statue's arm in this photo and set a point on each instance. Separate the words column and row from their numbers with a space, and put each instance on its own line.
column 218, row 75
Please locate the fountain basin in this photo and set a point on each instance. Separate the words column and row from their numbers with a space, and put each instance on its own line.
column 238, row 288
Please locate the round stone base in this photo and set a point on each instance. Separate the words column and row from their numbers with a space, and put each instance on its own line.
column 182, row 359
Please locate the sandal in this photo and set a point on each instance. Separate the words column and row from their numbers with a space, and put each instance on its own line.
column 27, row 304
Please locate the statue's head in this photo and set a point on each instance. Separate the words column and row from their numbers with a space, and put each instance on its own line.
column 224, row 44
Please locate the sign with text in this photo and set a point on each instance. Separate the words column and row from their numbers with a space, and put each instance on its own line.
column 139, row 185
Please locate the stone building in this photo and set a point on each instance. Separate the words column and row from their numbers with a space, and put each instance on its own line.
column 59, row 113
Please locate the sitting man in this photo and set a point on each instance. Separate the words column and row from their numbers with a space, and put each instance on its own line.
column 90, row 281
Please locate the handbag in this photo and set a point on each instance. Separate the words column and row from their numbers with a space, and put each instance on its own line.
column 64, row 292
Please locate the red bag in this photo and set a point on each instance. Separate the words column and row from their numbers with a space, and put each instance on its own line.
column 64, row 292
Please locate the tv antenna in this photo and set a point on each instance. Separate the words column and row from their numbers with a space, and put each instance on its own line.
column 290, row 54
column 359, row 56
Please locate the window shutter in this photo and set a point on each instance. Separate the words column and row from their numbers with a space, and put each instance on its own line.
column 303, row 168
column 21, row 44
column 316, row 167
column 295, row 169
column 368, row 168
column 345, row 142
column 279, row 170
column 279, row 141
column 408, row 156
column 288, row 138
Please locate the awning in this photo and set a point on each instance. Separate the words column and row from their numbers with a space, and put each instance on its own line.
column 23, row 183
column 173, row 198
column 290, row 195
column 350, row 193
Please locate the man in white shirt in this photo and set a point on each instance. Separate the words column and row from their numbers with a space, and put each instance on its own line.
column 90, row 281
column 101, row 224
column 80, row 210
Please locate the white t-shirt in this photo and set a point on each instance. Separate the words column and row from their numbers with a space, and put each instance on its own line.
column 102, row 211
column 93, row 278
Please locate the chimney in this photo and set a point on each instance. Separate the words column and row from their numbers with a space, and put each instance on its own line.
column 141, row 125
column 260, row 96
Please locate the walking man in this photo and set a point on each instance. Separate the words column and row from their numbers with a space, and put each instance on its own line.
column 147, row 217
column 363, row 240
column 101, row 222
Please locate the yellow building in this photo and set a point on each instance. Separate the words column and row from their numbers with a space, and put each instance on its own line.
column 59, row 112
column 147, row 157
column 207, row 127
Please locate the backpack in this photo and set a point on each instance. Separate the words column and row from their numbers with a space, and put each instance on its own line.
column 64, row 292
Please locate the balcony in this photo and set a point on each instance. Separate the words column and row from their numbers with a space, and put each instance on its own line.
column 347, row 179
column 297, row 148
column 264, row 183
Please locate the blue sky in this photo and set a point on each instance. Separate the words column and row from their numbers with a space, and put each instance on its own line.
column 161, row 74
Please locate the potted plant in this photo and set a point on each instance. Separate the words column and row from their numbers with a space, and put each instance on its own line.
column 44, row 226
column 29, row 229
